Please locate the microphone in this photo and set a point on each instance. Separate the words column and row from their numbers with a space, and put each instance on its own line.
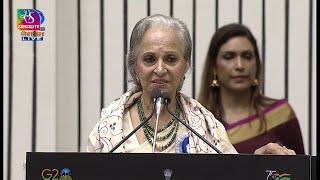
column 159, row 103
column 155, row 94
column 167, row 100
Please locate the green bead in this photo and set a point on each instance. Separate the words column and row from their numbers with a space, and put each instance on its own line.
column 149, row 130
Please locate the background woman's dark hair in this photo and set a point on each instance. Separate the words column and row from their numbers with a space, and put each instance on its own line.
column 210, row 96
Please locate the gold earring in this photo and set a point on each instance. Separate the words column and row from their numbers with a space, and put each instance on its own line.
column 255, row 82
column 215, row 82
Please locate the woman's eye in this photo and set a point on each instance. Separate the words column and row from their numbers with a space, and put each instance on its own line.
column 171, row 59
column 247, row 55
column 228, row 56
column 149, row 59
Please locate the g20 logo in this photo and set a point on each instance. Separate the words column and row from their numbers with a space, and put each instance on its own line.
column 53, row 174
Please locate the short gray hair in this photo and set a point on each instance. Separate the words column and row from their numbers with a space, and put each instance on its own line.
column 156, row 20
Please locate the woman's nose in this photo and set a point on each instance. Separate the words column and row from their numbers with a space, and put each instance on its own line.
column 160, row 68
column 239, row 62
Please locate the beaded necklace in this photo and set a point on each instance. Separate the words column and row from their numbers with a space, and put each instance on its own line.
column 149, row 130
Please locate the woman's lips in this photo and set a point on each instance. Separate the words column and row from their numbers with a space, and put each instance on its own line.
column 240, row 78
column 160, row 81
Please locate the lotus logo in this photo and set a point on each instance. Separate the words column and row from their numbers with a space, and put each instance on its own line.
column 167, row 173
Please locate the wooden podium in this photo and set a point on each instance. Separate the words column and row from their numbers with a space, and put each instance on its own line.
column 150, row 166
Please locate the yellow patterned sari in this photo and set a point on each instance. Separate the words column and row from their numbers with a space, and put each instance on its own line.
column 282, row 127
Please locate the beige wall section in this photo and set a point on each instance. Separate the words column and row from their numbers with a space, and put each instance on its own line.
column 57, row 64
column 90, row 67
column 21, row 95
column 46, row 74
column 275, row 44
column 5, row 95
column 206, row 23
column 298, row 63
column 67, row 73
column 113, row 51
column 228, row 12
column 252, row 18
column 160, row 6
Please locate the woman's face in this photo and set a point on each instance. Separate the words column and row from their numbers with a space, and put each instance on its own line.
column 236, row 64
column 160, row 61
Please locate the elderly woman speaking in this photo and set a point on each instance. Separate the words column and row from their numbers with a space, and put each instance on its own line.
column 158, row 59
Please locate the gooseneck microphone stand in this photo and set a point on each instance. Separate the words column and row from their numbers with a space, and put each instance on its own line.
column 167, row 101
column 158, row 108
column 155, row 94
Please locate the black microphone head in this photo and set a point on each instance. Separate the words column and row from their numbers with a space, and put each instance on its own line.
column 167, row 98
column 155, row 93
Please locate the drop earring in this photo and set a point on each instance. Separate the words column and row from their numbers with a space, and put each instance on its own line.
column 215, row 82
column 255, row 82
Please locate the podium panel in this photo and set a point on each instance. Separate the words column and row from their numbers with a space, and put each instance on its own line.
column 134, row 166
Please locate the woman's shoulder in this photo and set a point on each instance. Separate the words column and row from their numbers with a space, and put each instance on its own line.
column 268, row 101
column 186, row 97
column 111, row 107
column 271, row 103
column 118, row 105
